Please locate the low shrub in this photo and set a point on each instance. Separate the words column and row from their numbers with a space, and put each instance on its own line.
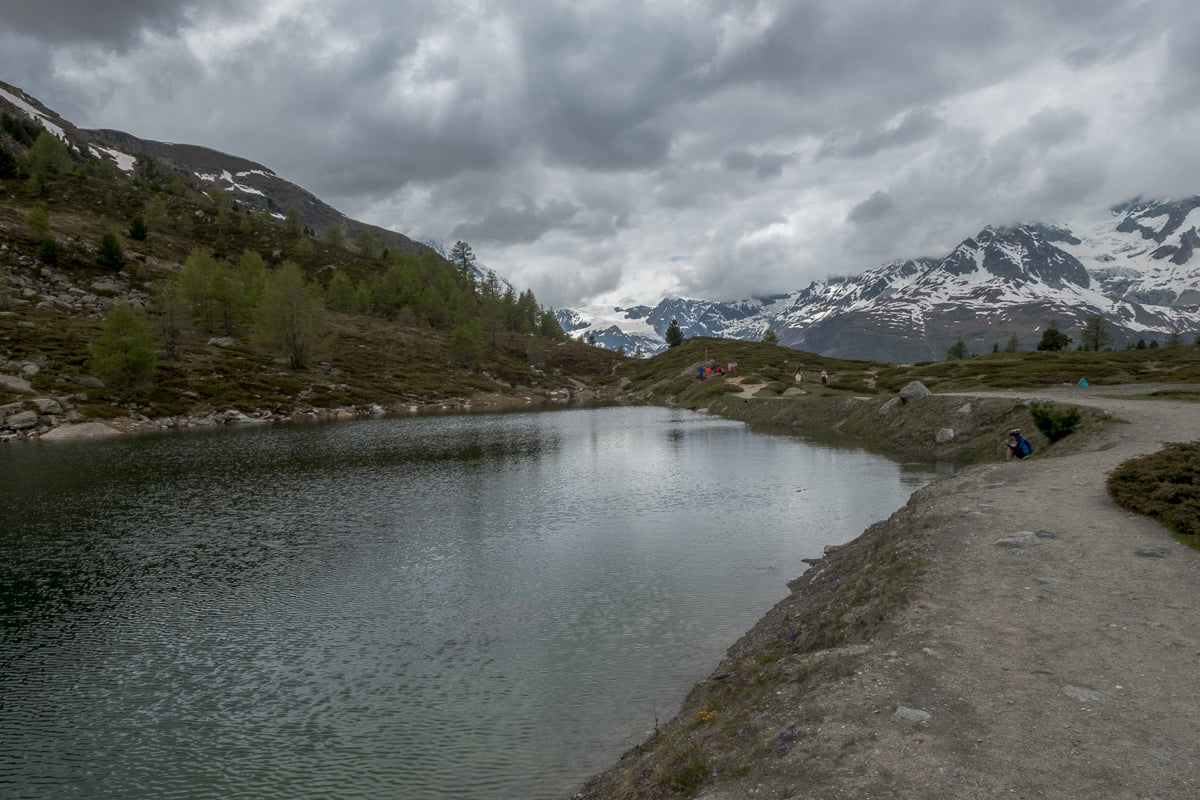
column 1055, row 421
column 1164, row 485
column 714, row 389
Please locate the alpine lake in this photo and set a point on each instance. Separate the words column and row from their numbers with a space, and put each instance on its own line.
column 484, row 606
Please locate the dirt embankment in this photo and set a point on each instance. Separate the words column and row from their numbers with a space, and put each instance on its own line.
column 1008, row 633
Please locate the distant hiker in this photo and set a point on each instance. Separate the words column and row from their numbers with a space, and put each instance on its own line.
column 824, row 376
column 799, row 377
column 1083, row 382
column 1018, row 446
column 699, row 372
column 732, row 366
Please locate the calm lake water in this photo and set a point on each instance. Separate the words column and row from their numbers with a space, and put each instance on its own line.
column 454, row 607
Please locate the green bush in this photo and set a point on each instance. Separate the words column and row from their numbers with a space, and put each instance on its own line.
column 1055, row 421
column 1164, row 485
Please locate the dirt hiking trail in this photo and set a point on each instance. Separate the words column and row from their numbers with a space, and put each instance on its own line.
column 1053, row 652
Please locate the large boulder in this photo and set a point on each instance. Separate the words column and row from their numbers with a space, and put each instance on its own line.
column 83, row 430
column 914, row 391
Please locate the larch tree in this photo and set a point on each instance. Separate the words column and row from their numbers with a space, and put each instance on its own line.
column 291, row 317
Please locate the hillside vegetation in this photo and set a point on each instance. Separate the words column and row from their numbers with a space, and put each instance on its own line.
column 236, row 309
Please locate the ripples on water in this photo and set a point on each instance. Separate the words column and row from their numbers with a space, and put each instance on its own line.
column 485, row 607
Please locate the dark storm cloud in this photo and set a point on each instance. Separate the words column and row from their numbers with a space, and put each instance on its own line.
column 763, row 165
column 511, row 224
column 871, row 209
column 113, row 23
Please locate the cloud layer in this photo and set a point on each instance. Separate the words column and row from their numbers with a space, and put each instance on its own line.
column 610, row 150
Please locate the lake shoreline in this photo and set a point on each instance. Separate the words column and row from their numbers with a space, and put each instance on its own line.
column 961, row 647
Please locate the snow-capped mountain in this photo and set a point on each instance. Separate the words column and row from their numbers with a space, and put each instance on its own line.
column 1134, row 265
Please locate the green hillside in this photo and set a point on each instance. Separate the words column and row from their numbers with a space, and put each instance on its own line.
column 208, row 286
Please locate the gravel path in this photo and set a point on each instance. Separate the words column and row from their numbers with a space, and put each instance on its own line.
column 1053, row 654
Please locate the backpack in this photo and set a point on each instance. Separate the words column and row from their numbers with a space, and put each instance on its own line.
column 1024, row 448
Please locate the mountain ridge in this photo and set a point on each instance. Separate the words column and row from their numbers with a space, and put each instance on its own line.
column 1135, row 266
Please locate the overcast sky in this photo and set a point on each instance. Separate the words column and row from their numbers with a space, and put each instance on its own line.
column 614, row 151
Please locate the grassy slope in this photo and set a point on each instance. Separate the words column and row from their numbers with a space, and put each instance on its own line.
column 370, row 360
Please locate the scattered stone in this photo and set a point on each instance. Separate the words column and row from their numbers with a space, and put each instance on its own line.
column 22, row 420
column 222, row 341
column 47, row 405
column 944, row 435
column 1047, row 580
column 1080, row 693
column 1149, row 554
column 15, row 383
column 888, row 406
column 1022, row 540
column 1165, row 753
column 965, row 409
column 1045, row 534
column 912, row 714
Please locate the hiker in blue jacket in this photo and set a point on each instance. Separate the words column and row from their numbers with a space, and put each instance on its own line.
column 1018, row 446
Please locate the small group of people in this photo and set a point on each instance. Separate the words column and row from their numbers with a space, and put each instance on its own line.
column 704, row 370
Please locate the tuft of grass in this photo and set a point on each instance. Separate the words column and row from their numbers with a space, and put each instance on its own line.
column 1164, row 485
column 684, row 772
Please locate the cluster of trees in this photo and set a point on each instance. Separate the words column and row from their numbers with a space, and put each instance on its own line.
column 286, row 312
column 1093, row 336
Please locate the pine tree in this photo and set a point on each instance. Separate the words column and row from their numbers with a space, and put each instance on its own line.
column 1053, row 339
column 463, row 258
column 769, row 337
column 674, row 334
column 110, row 254
column 138, row 230
column 1013, row 344
column 958, row 350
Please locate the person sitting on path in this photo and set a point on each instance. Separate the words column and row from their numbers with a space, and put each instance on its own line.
column 1018, row 446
